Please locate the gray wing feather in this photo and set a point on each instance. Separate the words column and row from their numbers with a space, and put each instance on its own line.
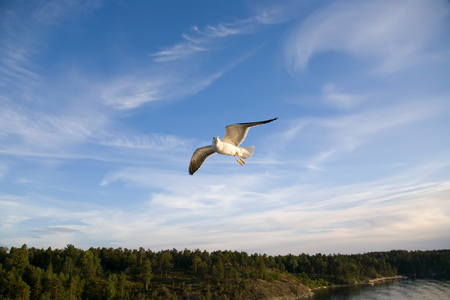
column 236, row 133
column 199, row 156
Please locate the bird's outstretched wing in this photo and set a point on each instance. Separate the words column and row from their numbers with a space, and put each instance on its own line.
column 199, row 156
column 236, row 133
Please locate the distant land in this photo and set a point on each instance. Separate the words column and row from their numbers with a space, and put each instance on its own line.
column 107, row 273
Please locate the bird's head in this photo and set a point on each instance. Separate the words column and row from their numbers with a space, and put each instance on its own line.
column 215, row 140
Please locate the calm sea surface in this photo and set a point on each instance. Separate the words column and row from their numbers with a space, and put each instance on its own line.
column 399, row 289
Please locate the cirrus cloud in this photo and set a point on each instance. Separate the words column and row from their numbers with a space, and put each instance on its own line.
column 393, row 33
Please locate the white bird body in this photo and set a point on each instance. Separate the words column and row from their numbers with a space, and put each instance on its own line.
column 229, row 145
column 229, row 149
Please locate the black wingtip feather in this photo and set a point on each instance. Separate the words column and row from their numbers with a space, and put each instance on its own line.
column 260, row 122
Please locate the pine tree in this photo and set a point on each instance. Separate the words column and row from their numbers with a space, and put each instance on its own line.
column 122, row 283
column 111, row 284
column 147, row 274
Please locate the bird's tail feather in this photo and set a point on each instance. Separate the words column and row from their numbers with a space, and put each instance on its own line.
column 247, row 151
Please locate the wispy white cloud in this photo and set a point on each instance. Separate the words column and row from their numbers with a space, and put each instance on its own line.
column 367, row 216
column 3, row 170
column 275, row 13
column 38, row 130
column 178, row 51
column 22, row 26
column 60, row 229
column 78, row 134
column 157, row 142
column 198, row 40
column 333, row 95
column 166, row 80
column 16, row 48
column 130, row 93
column 393, row 33
column 195, row 213
column 352, row 130
column 52, row 12
column 227, row 213
column 14, row 66
column 31, row 219
column 334, row 136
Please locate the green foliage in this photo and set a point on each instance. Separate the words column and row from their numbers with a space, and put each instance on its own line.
column 107, row 273
column 147, row 274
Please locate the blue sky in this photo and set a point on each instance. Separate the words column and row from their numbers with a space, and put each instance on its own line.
column 102, row 104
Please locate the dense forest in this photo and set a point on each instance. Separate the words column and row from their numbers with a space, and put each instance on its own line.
column 107, row 273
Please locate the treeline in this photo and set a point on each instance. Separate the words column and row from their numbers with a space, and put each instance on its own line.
column 107, row 273
column 418, row 263
column 320, row 270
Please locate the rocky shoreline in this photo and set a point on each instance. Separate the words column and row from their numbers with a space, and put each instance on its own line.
column 308, row 293
column 365, row 282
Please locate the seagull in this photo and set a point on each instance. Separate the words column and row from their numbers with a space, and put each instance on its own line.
column 229, row 145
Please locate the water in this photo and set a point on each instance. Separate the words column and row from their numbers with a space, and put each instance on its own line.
column 423, row 289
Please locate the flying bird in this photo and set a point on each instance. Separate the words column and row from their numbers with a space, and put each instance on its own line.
column 229, row 145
